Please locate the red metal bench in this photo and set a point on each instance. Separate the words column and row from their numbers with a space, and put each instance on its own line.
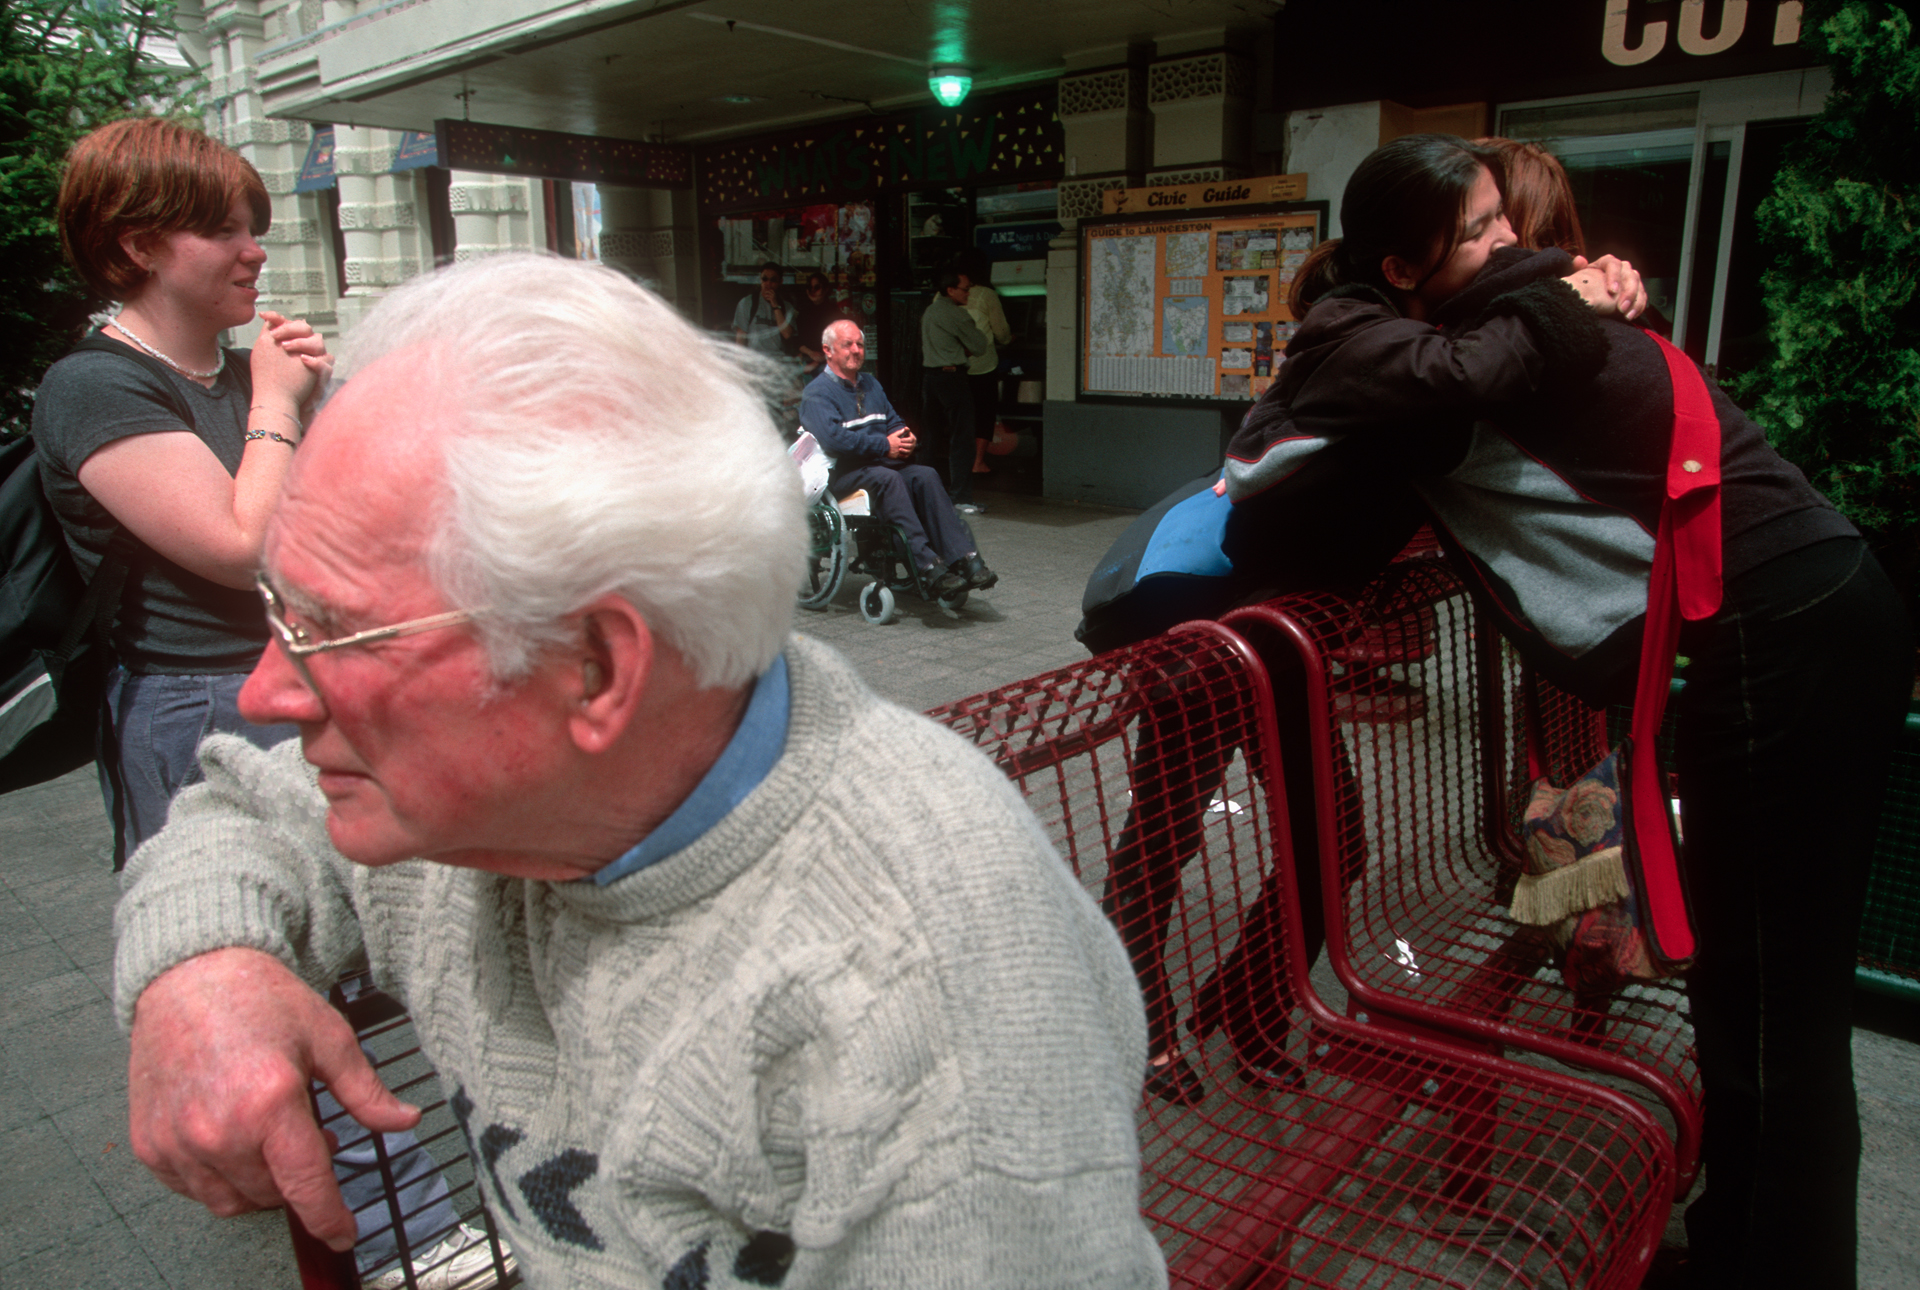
column 1420, row 780
column 385, row 1031
column 1360, row 1154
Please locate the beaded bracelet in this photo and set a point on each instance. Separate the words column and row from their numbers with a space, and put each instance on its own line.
column 268, row 434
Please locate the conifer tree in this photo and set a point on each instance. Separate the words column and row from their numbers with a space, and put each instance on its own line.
column 1841, row 396
column 66, row 66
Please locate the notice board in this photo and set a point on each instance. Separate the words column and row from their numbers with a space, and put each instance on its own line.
column 1190, row 308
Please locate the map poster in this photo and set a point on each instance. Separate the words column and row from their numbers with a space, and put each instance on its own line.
column 1190, row 308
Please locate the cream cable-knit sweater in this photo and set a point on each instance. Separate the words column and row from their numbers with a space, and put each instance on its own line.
column 870, row 1011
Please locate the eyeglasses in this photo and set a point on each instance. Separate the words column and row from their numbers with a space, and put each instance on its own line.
column 299, row 643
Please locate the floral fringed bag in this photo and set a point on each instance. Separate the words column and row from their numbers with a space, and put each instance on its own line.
column 1603, row 855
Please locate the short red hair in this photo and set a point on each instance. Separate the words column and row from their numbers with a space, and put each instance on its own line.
column 146, row 177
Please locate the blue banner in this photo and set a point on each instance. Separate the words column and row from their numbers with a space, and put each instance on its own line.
column 316, row 172
column 417, row 148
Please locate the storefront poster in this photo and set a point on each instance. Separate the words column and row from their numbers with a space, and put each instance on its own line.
column 1190, row 308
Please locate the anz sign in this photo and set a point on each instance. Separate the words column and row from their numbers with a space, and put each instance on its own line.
column 1689, row 29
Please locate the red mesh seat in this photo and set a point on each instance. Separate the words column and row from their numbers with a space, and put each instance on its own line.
column 1419, row 783
column 1302, row 1148
column 386, row 1034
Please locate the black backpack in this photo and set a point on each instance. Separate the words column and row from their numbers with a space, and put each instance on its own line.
column 54, row 624
column 52, row 660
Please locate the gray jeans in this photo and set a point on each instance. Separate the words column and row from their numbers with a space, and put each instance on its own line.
column 158, row 723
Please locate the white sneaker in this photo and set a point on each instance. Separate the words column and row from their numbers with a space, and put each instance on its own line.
column 464, row 1261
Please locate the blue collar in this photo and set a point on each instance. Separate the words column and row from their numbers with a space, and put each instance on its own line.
column 745, row 761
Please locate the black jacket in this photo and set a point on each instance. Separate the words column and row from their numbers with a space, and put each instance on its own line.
column 1537, row 434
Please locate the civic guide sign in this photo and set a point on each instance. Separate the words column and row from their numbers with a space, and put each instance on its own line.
column 1179, row 199
column 1190, row 307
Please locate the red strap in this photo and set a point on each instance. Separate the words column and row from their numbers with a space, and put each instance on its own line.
column 1686, row 577
column 1666, row 904
column 1693, row 487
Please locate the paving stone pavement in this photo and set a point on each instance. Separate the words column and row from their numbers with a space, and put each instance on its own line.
column 78, row 1212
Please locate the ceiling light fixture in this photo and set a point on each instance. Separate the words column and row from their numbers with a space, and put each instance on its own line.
column 949, row 83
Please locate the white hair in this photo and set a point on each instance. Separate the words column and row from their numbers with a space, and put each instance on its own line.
column 597, row 443
column 826, row 337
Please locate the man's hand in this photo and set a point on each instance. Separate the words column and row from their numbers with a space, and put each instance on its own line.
column 224, row 1045
column 1610, row 285
column 900, row 444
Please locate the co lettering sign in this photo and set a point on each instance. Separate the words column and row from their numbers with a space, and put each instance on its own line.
column 1701, row 28
column 1493, row 51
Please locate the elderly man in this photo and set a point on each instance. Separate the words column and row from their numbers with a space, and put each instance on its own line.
column 847, row 411
column 679, row 907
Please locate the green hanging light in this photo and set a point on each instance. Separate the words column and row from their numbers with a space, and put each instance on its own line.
column 949, row 84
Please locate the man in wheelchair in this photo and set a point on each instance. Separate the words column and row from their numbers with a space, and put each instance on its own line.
column 847, row 411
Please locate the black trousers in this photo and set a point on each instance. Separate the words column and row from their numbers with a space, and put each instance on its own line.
column 913, row 497
column 986, row 403
column 1795, row 695
column 1178, row 767
column 947, row 439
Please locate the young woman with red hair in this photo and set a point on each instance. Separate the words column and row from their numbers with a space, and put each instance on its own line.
column 160, row 444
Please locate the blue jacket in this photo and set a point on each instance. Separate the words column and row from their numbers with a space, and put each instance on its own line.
column 851, row 422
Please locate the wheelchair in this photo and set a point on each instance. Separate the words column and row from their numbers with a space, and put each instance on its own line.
column 845, row 536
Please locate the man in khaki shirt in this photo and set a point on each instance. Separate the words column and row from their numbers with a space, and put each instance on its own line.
column 948, row 341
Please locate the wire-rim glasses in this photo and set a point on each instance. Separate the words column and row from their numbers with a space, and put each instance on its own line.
column 296, row 641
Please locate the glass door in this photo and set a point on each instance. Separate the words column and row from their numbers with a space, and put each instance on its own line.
column 1670, row 180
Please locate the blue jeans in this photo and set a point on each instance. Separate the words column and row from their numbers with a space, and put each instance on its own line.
column 158, row 723
column 1795, row 695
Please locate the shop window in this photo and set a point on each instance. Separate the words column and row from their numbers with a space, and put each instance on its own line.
column 836, row 240
column 1607, row 116
column 1633, row 203
column 336, row 236
column 1743, row 341
column 440, row 226
column 557, row 196
column 586, row 222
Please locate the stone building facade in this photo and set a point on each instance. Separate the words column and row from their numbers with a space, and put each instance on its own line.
column 381, row 214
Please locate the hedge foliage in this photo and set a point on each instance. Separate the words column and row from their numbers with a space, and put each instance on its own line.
column 66, row 66
column 1841, row 396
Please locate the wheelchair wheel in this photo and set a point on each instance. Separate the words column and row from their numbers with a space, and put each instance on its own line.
column 952, row 605
column 876, row 603
column 827, row 542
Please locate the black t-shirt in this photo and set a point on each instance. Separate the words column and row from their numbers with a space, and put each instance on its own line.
column 170, row 620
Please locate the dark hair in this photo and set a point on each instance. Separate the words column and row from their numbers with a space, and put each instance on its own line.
column 146, row 177
column 1406, row 199
column 975, row 265
column 1539, row 197
column 778, row 269
column 947, row 279
column 819, row 277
